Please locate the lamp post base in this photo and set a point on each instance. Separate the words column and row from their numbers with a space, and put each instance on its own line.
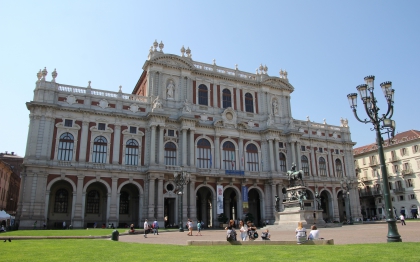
column 393, row 235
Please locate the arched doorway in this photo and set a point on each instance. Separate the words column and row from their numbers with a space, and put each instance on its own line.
column 204, row 206
column 59, row 205
column 254, row 203
column 230, row 207
column 128, row 206
column 96, row 199
column 326, row 205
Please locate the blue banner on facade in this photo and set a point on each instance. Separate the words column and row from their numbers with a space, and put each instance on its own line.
column 234, row 172
column 244, row 194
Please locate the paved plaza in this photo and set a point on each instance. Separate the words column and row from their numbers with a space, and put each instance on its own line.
column 350, row 234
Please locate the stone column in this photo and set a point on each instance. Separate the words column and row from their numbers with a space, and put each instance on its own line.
column 293, row 148
column 161, row 149
column 241, row 154
column 216, row 159
column 160, row 213
column 192, row 147
column 151, row 207
column 84, row 142
column 330, row 164
column 184, row 147
column 192, row 203
column 298, row 158
column 336, row 213
column 113, row 198
column 270, row 148
column 152, row 146
column 276, row 154
column 116, row 151
column 78, row 218
column 313, row 162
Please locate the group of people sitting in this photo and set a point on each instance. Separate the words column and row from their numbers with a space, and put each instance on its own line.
column 248, row 230
column 301, row 236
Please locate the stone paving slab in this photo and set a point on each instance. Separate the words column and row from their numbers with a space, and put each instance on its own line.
column 349, row 234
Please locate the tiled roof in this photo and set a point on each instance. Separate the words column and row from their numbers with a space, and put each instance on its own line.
column 397, row 139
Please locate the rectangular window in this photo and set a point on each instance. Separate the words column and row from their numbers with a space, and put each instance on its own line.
column 415, row 148
column 320, row 150
column 302, row 148
column 101, row 126
column 379, row 200
column 68, row 122
column 133, row 130
column 171, row 133
column 390, row 185
column 281, row 146
column 401, row 198
column 410, row 182
column 396, row 169
column 412, row 196
column 337, row 151
column 392, row 199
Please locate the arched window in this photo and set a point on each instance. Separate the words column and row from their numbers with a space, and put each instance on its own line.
column 322, row 167
column 65, row 147
column 124, row 202
column 249, row 103
column 99, row 150
column 305, row 165
column 282, row 160
column 203, row 95
column 61, row 201
column 92, row 202
column 227, row 98
column 252, row 158
column 229, row 156
column 204, row 159
column 132, row 152
column 338, row 168
column 170, row 154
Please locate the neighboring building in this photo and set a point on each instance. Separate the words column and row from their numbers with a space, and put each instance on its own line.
column 13, row 181
column 402, row 157
column 110, row 157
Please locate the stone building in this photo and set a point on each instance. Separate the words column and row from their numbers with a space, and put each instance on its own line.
column 10, row 181
column 402, row 158
column 97, row 156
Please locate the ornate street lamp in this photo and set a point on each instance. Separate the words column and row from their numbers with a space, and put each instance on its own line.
column 181, row 179
column 347, row 186
column 379, row 123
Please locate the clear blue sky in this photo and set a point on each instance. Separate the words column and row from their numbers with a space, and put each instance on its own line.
column 327, row 47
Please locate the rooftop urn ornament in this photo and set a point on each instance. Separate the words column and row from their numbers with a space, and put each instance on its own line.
column 119, row 91
column 161, row 46
column 182, row 51
column 265, row 69
column 155, row 45
column 44, row 73
column 285, row 74
column 188, row 51
column 54, row 75
column 89, row 84
column 261, row 68
column 39, row 74
column 214, row 61
column 281, row 73
column 236, row 66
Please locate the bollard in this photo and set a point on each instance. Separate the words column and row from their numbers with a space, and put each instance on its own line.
column 115, row 235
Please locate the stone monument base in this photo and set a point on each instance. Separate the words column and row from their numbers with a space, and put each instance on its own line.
column 293, row 214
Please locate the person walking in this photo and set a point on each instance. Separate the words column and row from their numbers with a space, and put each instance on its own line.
column 402, row 218
column 155, row 226
column 199, row 228
column 190, row 227
column 146, row 227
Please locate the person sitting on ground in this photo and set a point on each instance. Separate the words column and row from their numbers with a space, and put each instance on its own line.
column 252, row 230
column 300, row 234
column 132, row 228
column 231, row 233
column 265, row 235
column 314, row 234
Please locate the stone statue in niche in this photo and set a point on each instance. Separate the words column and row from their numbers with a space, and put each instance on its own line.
column 157, row 104
column 170, row 89
column 187, row 107
column 275, row 107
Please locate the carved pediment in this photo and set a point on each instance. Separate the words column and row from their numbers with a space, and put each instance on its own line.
column 171, row 61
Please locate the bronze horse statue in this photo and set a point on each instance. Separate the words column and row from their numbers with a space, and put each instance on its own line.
column 295, row 176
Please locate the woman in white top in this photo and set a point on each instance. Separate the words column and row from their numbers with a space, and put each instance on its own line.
column 300, row 233
column 314, row 234
column 244, row 230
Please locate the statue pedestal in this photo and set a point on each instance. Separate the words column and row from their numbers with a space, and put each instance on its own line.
column 293, row 214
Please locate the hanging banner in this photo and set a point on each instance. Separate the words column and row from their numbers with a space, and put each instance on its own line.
column 219, row 199
column 244, row 192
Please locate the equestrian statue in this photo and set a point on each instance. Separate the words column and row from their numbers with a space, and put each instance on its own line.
column 294, row 175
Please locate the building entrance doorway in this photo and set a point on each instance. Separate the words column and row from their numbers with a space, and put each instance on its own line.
column 169, row 212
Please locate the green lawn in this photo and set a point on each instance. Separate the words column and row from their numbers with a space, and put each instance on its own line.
column 71, row 232
column 107, row 250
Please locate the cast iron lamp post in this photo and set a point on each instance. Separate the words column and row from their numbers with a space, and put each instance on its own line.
column 347, row 186
column 181, row 179
column 379, row 123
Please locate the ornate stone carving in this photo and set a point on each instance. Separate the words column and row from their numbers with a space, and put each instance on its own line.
column 71, row 99
column 103, row 103
column 134, row 108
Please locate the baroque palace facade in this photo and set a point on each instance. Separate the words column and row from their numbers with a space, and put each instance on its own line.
column 96, row 156
column 402, row 156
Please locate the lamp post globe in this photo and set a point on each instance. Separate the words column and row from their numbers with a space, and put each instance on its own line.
column 380, row 123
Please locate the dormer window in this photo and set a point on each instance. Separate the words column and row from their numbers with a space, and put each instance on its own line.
column 133, row 130
column 101, row 126
column 68, row 122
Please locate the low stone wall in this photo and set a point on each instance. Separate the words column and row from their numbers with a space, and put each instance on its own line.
column 263, row 242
